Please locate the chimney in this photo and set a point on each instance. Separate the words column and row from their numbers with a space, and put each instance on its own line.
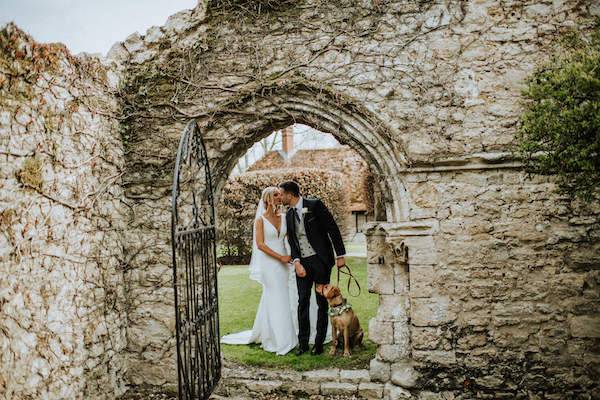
column 287, row 141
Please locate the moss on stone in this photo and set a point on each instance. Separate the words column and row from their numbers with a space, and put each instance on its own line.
column 31, row 173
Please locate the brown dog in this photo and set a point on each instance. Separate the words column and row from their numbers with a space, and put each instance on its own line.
column 344, row 323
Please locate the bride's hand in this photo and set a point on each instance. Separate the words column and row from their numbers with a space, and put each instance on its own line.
column 285, row 259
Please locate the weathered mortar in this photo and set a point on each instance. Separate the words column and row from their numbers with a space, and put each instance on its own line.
column 62, row 311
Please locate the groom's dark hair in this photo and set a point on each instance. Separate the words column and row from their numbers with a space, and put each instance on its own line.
column 291, row 187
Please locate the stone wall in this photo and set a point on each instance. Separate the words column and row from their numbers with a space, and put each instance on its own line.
column 497, row 293
column 487, row 280
column 482, row 274
column 443, row 75
column 62, row 311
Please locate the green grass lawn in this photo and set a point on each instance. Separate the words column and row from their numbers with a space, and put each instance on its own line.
column 238, row 301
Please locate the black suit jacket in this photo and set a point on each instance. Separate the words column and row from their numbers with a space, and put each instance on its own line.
column 322, row 231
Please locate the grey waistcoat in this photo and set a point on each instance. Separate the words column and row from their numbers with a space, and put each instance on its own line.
column 306, row 249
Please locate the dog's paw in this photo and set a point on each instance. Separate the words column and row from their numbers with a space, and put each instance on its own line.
column 332, row 351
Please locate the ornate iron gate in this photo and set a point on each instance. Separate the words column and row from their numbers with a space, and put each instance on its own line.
column 193, row 236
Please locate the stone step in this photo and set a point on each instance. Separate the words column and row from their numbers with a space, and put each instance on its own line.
column 333, row 383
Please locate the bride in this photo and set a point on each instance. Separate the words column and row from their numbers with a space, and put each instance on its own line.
column 276, row 321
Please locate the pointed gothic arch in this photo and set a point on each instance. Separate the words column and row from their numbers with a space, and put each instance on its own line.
column 250, row 117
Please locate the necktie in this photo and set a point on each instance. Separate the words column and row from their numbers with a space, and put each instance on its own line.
column 296, row 214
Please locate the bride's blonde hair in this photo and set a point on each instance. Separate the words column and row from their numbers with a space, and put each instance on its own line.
column 268, row 197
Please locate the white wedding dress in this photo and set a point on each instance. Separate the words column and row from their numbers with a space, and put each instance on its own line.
column 276, row 321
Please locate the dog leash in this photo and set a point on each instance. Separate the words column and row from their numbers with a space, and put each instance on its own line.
column 351, row 278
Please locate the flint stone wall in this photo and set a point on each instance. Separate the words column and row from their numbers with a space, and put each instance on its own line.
column 62, row 300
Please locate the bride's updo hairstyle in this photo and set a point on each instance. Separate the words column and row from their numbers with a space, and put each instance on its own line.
column 268, row 197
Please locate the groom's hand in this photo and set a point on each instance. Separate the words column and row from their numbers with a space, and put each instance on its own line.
column 300, row 271
column 341, row 262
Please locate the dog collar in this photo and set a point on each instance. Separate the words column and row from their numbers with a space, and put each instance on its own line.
column 339, row 310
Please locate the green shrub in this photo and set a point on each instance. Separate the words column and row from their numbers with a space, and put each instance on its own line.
column 560, row 127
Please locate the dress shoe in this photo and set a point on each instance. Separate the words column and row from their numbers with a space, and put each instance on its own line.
column 301, row 350
column 317, row 349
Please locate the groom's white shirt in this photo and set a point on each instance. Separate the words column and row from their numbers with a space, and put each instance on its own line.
column 298, row 208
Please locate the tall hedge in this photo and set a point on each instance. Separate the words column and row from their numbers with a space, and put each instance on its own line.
column 237, row 206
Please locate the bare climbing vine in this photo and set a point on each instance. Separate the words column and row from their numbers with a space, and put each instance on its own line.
column 60, row 120
column 229, row 64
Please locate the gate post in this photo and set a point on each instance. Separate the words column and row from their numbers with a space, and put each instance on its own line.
column 401, row 258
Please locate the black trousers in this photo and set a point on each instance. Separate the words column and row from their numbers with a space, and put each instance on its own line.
column 315, row 268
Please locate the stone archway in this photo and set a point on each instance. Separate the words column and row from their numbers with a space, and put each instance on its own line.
column 229, row 129
column 390, row 239
column 251, row 117
column 458, row 251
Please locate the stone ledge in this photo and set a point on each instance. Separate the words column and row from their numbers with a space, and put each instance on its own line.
column 354, row 376
column 469, row 161
column 301, row 388
column 253, row 383
column 338, row 388
column 322, row 375
column 370, row 390
column 424, row 227
column 263, row 386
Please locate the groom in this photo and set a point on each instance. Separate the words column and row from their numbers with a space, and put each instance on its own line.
column 312, row 234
